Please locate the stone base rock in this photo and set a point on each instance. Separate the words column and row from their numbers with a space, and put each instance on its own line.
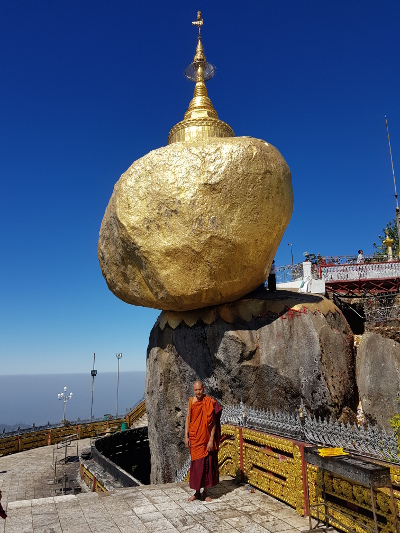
column 270, row 350
column 378, row 377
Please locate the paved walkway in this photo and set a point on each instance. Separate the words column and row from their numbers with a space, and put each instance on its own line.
column 154, row 508
column 24, row 480
column 31, row 474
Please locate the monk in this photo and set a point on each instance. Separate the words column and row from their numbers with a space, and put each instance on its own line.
column 202, row 436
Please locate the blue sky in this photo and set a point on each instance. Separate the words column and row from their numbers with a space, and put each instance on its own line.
column 89, row 87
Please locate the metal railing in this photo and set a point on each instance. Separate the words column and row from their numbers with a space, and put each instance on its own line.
column 35, row 437
column 288, row 273
column 78, row 422
column 340, row 259
column 381, row 308
column 136, row 411
column 343, row 267
column 361, row 271
column 330, row 260
column 383, row 314
column 48, row 426
column 369, row 441
column 183, row 472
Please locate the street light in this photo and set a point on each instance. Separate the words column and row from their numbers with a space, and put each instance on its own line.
column 394, row 182
column 93, row 373
column 118, row 356
column 291, row 250
column 65, row 397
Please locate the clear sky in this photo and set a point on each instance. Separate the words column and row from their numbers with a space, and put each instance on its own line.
column 89, row 87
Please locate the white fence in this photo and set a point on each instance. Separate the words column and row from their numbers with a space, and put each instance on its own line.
column 361, row 271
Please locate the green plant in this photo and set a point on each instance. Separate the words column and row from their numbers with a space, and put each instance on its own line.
column 391, row 230
column 395, row 423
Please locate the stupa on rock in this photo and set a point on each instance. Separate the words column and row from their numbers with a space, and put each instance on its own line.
column 196, row 223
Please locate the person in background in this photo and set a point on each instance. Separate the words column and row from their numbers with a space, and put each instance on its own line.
column 2, row 511
column 360, row 257
column 272, row 278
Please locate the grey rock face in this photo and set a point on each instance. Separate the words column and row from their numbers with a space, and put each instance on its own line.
column 378, row 377
column 271, row 362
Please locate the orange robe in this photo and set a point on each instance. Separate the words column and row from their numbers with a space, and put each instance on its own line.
column 204, row 464
column 201, row 421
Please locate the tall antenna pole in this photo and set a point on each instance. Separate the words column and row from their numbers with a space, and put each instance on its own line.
column 93, row 374
column 394, row 181
column 118, row 356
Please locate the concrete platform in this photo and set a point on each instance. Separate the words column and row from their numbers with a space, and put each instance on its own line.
column 154, row 508
column 31, row 508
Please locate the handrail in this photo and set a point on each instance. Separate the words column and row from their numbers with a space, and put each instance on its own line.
column 37, row 437
column 389, row 269
column 341, row 268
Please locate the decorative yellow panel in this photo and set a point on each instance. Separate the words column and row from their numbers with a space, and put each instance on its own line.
column 395, row 474
column 9, row 445
column 273, row 464
column 34, row 439
column 87, row 477
column 229, row 455
column 227, row 458
column 353, row 502
column 136, row 413
column 99, row 487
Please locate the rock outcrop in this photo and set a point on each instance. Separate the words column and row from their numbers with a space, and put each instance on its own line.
column 378, row 377
column 270, row 350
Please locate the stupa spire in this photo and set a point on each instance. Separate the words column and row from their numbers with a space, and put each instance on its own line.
column 201, row 119
column 200, row 56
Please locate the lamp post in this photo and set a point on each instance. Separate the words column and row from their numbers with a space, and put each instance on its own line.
column 118, row 356
column 291, row 250
column 394, row 182
column 65, row 397
column 93, row 373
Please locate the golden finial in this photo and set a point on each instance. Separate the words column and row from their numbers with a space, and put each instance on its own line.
column 201, row 120
column 199, row 22
column 200, row 56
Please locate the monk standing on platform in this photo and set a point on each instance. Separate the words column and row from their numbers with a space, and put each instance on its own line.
column 202, row 435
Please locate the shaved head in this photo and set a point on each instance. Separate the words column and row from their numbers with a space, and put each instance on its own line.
column 198, row 389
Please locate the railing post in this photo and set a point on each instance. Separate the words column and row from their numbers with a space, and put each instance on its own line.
column 241, row 462
column 305, row 481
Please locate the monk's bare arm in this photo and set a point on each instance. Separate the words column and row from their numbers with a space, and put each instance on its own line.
column 210, row 444
column 187, row 423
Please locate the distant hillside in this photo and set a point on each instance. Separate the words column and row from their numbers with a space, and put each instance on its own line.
column 7, row 428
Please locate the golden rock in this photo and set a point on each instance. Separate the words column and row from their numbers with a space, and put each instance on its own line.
column 195, row 224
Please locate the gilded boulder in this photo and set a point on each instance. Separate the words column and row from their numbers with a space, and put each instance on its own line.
column 195, row 224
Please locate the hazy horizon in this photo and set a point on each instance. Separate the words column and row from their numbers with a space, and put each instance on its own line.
column 33, row 398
